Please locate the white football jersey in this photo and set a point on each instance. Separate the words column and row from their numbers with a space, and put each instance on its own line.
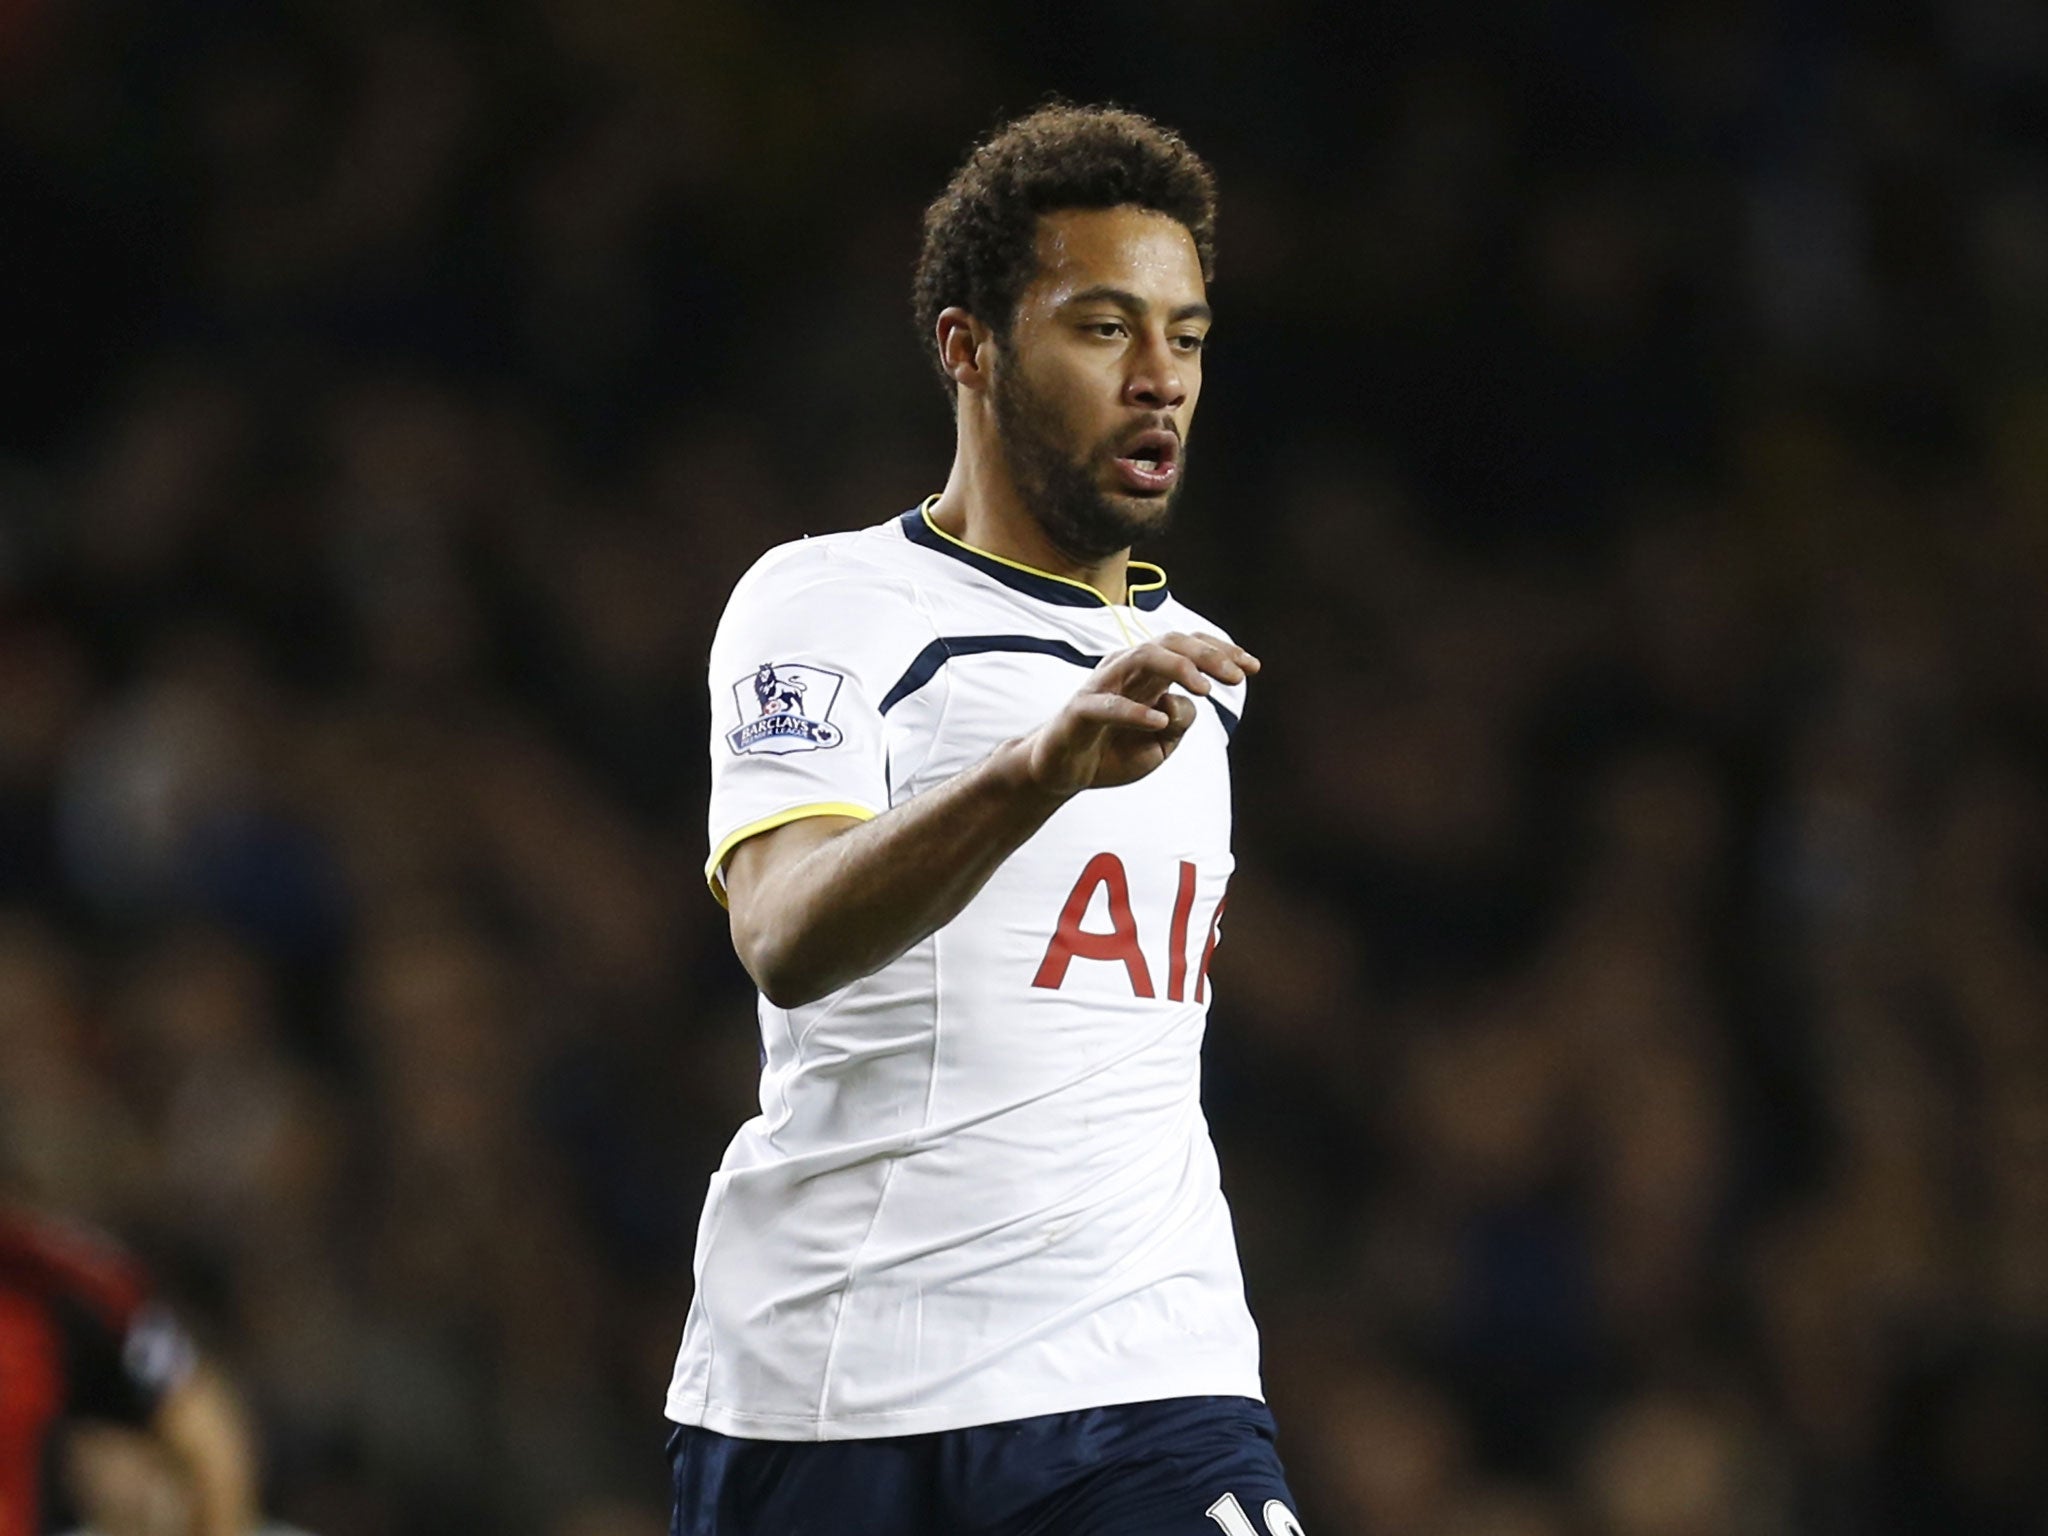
column 980, row 1186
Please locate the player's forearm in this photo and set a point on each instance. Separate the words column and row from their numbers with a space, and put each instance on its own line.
column 202, row 1424
column 851, row 903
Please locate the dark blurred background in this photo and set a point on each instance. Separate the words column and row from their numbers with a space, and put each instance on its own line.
column 1626, row 442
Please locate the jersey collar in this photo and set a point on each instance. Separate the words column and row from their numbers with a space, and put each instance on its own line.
column 1146, row 594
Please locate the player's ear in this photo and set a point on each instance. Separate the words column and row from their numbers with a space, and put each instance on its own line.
column 964, row 348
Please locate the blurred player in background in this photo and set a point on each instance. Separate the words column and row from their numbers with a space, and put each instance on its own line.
column 971, row 1270
column 83, row 1343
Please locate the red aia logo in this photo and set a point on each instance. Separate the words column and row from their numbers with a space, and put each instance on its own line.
column 1070, row 942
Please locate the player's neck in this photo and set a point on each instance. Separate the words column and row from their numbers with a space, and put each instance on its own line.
column 980, row 506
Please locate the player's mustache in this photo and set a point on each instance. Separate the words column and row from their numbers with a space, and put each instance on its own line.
column 1123, row 437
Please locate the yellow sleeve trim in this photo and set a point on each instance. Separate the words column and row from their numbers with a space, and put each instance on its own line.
column 714, row 867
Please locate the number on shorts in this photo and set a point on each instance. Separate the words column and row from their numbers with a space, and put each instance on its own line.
column 1229, row 1514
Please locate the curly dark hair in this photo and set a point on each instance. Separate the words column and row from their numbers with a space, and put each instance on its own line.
column 980, row 235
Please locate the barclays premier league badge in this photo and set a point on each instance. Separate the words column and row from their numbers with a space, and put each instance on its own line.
column 785, row 708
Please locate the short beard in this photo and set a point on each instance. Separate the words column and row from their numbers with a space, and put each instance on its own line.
column 1065, row 495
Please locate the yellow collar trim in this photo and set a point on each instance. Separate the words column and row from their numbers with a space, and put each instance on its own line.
column 1131, row 588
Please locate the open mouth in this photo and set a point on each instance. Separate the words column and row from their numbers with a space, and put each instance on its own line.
column 1150, row 462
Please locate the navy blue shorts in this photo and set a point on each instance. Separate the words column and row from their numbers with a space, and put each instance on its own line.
column 1184, row 1466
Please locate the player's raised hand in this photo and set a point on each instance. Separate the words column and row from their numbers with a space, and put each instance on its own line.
column 1126, row 720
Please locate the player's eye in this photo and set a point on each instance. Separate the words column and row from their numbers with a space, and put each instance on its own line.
column 1105, row 327
column 1190, row 342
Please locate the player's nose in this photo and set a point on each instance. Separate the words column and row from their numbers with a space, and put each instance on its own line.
column 1155, row 379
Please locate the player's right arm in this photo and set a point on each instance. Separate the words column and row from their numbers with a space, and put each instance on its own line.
column 200, row 1421
column 824, row 900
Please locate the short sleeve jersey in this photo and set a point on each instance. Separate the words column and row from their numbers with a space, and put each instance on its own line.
column 980, row 1186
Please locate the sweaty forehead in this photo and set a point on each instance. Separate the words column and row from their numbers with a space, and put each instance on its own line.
column 1145, row 253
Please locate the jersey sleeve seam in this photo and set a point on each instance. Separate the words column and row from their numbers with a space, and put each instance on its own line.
column 919, row 602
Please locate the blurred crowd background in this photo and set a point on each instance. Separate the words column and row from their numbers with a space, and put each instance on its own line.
column 1626, row 443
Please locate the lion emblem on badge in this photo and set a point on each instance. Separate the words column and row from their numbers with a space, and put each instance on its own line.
column 778, row 695
column 785, row 707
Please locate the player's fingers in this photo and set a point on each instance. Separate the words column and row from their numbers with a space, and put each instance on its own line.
column 1181, row 712
column 1116, row 710
column 1222, row 659
column 1237, row 653
column 1145, row 671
